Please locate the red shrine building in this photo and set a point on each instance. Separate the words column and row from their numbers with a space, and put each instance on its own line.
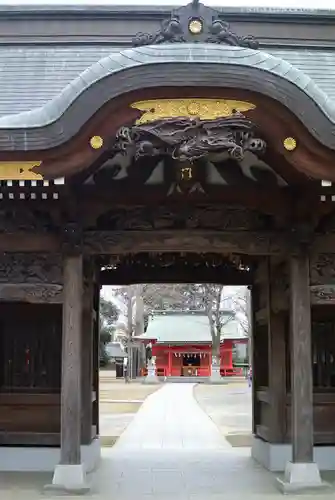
column 182, row 345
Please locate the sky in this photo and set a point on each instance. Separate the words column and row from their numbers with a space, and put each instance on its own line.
column 289, row 4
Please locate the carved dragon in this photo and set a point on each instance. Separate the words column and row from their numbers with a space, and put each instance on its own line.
column 189, row 139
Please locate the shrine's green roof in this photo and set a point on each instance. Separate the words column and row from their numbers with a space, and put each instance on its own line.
column 187, row 328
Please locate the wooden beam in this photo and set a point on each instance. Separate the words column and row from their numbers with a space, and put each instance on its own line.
column 71, row 361
column 173, row 274
column 109, row 242
column 25, row 241
column 223, row 242
column 301, row 362
column 94, row 200
column 33, row 293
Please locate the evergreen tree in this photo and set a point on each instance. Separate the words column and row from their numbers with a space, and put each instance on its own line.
column 108, row 317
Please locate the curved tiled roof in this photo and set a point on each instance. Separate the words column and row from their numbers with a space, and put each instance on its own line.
column 32, row 75
column 131, row 69
column 188, row 327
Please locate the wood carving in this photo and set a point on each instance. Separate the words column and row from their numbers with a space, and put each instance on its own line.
column 27, row 268
column 32, row 293
column 322, row 269
column 323, row 295
column 227, row 242
column 175, row 267
column 189, row 139
column 195, row 23
column 183, row 217
column 24, row 219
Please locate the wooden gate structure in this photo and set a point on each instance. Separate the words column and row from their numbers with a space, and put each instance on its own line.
column 194, row 155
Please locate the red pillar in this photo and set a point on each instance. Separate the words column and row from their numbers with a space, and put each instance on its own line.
column 230, row 355
column 169, row 363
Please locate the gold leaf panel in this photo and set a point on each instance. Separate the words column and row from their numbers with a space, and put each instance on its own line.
column 205, row 109
column 19, row 171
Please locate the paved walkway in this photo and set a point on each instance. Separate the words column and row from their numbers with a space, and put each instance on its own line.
column 171, row 419
column 172, row 450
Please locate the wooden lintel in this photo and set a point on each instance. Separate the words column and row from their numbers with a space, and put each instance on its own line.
column 223, row 242
column 97, row 200
column 172, row 274
column 34, row 293
column 30, row 242
column 111, row 242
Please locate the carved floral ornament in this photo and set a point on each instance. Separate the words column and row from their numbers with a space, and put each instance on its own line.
column 190, row 129
column 204, row 109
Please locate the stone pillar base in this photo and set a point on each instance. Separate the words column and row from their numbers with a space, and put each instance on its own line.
column 300, row 478
column 151, row 378
column 215, row 375
column 69, row 479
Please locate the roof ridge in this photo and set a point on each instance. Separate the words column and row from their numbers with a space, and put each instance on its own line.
column 12, row 9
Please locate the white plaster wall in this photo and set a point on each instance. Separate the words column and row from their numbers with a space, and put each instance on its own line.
column 44, row 459
column 275, row 456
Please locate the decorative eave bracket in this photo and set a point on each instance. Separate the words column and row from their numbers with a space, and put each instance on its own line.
column 195, row 23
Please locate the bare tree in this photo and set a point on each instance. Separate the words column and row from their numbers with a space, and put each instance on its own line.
column 241, row 300
column 212, row 297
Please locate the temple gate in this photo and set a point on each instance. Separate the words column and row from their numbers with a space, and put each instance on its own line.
column 194, row 156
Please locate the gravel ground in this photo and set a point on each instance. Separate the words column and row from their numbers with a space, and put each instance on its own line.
column 119, row 403
column 229, row 406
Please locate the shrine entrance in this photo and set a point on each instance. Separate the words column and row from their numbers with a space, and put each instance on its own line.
column 213, row 157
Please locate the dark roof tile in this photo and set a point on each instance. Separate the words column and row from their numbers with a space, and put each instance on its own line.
column 30, row 76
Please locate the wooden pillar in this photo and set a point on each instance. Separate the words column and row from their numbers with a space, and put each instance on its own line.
column 277, row 377
column 277, row 361
column 254, row 359
column 87, row 354
column 96, row 355
column 71, row 360
column 301, row 362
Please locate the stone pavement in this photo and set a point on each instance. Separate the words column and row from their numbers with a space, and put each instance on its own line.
column 171, row 451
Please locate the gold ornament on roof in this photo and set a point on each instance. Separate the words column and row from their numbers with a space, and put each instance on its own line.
column 19, row 171
column 195, row 26
column 204, row 109
column 290, row 143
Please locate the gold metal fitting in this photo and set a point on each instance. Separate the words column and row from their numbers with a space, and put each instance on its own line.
column 290, row 143
column 195, row 26
column 96, row 142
